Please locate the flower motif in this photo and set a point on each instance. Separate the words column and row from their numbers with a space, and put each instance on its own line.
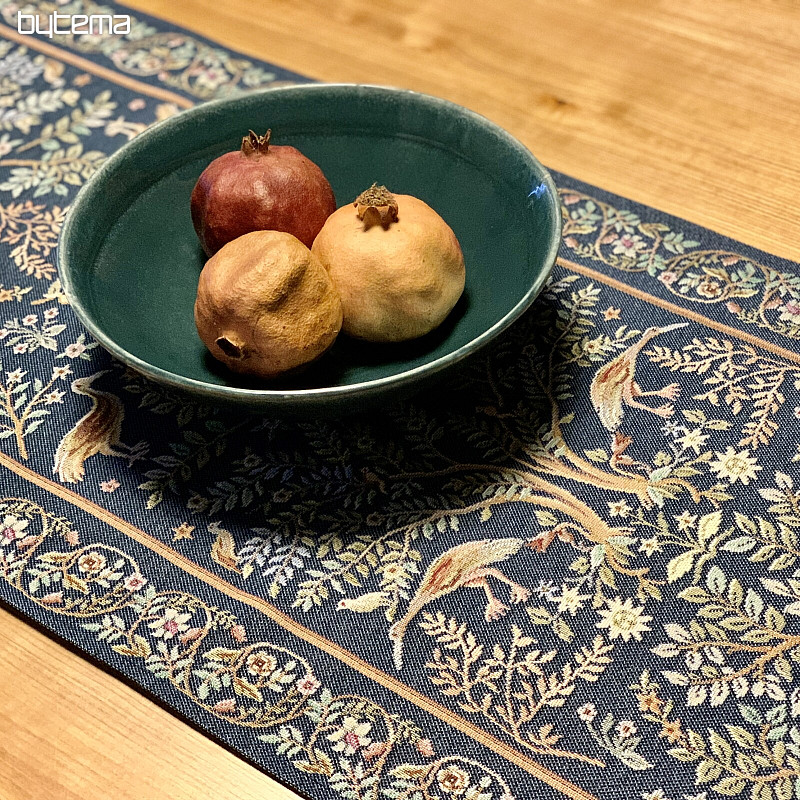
column 649, row 546
column 546, row 590
column 239, row 633
column 261, row 664
column 308, row 684
column 625, row 729
column 668, row 277
column 75, row 349
column 55, row 396
column 709, row 288
column 16, row 376
column 587, row 712
column 649, row 703
column 791, row 312
column 452, row 779
column 611, row 313
column 12, row 528
column 110, row 485
column 672, row 428
column 694, row 440
column 350, row 736
column 134, row 582
column 171, row 623
column 4, row 332
column 20, row 348
column 61, row 372
column 624, row 620
column 7, row 144
column 593, row 346
column 685, row 520
column 30, row 319
column 225, row 706
column 91, row 563
column 137, row 104
column 50, row 313
column 425, row 748
column 628, row 244
column 619, row 508
column 571, row 600
column 733, row 466
column 671, row 730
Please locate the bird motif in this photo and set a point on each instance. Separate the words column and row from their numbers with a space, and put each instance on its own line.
column 223, row 550
column 364, row 603
column 465, row 565
column 614, row 384
column 97, row 431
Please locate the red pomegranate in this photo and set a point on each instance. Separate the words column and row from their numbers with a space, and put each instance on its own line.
column 260, row 187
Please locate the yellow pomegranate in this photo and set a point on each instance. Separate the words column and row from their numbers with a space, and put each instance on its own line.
column 396, row 263
column 266, row 306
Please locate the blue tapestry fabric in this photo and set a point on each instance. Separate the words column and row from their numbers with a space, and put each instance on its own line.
column 572, row 571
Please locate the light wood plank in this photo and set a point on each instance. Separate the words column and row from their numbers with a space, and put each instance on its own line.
column 69, row 730
column 692, row 108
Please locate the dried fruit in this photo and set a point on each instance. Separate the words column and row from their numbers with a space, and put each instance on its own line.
column 266, row 306
column 260, row 187
column 396, row 263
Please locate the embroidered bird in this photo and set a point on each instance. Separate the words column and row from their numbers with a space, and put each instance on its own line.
column 364, row 603
column 97, row 431
column 223, row 550
column 614, row 384
column 465, row 565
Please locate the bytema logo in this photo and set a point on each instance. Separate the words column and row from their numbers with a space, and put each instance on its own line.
column 76, row 24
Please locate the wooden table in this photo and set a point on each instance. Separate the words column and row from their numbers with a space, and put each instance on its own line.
column 693, row 108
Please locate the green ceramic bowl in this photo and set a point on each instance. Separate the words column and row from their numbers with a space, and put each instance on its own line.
column 129, row 258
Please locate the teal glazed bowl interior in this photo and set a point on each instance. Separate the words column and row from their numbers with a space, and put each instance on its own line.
column 129, row 258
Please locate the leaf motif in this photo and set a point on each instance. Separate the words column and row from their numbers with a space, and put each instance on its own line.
column 680, row 565
column 741, row 544
column 221, row 654
column 246, row 689
column 716, row 580
column 730, row 786
column 707, row 771
column 708, row 526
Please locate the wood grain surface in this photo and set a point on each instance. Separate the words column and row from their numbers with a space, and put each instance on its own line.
column 693, row 108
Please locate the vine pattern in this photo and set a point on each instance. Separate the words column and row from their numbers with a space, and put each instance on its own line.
column 203, row 651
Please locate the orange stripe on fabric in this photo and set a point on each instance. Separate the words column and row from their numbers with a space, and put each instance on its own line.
column 676, row 309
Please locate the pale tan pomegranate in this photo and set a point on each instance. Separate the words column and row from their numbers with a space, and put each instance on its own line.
column 396, row 263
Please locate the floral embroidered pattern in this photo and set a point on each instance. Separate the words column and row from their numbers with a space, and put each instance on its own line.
column 204, row 653
column 753, row 293
column 177, row 59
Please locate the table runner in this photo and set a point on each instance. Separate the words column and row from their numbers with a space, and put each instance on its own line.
column 554, row 576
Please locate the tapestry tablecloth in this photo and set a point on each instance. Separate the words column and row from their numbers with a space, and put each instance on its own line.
column 572, row 571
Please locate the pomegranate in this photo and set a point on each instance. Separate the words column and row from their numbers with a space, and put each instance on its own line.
column 260, row 187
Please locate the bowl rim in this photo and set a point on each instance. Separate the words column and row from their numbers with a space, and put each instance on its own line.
column 314, row 394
